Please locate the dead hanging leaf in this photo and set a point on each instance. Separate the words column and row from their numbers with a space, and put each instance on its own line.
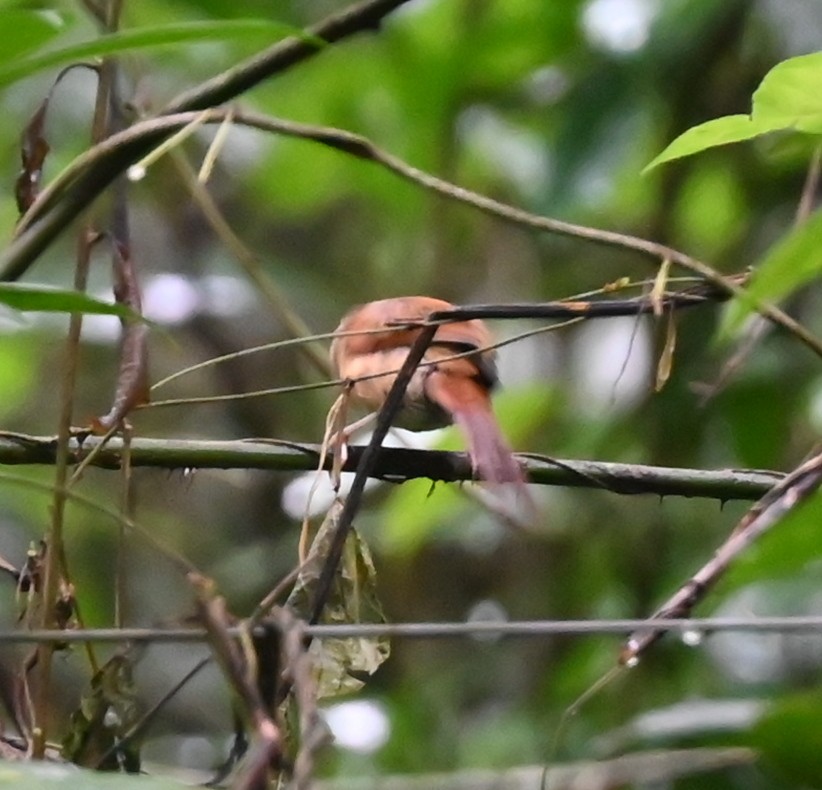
column 34, row 148
column 33, row 151
column 666, row 358
column 658, row 291
column 106, row 713
column 132, row 387
column 353, row 599
column 29, row 585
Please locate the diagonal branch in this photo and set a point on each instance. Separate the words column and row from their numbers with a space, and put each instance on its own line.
column 787, row 494
column 367, row 461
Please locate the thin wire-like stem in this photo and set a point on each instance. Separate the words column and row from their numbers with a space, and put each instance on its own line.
column 507, row 629
column 276, row 345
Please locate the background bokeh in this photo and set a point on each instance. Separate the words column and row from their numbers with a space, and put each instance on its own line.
column 551, row 106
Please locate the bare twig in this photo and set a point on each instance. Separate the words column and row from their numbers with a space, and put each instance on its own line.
column 759, row 326
column 267, row 751
column 141, row 726
column 768, row 511
column 298, row 673
column 810, row 188
column 55, row 562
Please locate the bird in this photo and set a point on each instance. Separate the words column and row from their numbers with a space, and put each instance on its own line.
column 442, row 391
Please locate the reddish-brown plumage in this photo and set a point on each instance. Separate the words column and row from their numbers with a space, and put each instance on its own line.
column 449, row 390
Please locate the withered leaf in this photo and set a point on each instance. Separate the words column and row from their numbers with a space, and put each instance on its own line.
column 353, row 599
column 33, row 151
column 132, row 388
column 666, row 359
column 105, row 714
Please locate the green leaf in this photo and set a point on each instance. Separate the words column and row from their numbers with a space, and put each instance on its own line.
column 106, row 713
column 719, row 131
column 793, row 261
column 789, row 738
column 790, row 96
column 31, row 29
column 148, row 37
column 44, row 299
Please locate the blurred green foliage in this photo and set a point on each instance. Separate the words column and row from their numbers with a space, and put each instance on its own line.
column 555, row 107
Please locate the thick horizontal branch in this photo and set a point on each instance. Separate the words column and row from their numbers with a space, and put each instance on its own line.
column 396, row 465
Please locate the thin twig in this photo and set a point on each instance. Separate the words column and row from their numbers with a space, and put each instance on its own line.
column 175, row 557
column 267, row 752
column 786, row 495
column 810, row 188
column 55, row 561
column 151, row 714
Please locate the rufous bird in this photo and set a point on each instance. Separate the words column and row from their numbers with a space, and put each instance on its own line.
column 442, row 392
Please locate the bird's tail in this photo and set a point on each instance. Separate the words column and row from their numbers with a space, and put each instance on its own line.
column 469, row 405
column 490, row 454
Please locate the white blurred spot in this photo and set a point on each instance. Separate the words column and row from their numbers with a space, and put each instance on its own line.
column 611, row 364
column 692, row 637
column 547, row 85
column 619, row 26
column 170, row 299
column 750, row 657
column 101, row 328
column 487, row 611
column 532, row 359
column 52, row 17
column 196, row 751
column 683, row 719
column 360, row 725
column 136, row 173
column 297, row 492
column 815, row 406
